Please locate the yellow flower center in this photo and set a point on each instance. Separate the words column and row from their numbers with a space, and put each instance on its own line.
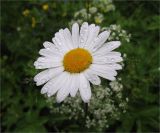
column 77, row 60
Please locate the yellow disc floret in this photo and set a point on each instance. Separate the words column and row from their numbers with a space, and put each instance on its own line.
column 77, row 60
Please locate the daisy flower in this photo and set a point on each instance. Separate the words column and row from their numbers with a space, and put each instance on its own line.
column 75, row 59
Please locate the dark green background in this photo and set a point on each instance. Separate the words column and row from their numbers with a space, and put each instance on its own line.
column 24, row 109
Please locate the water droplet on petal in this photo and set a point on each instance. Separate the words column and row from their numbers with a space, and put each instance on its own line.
column 99, row 37
column 81, row 41
column 111, row 65
column 39, row 66
column 112, row 59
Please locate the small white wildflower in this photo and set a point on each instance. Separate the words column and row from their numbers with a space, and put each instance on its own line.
column 127, row 99
column 127, row 39
column 113, row 27
column 99, row 18
column 123, row 31
column 93, row 10
column 76, row 14
column 117, row 38
column 18, row 28
column 124, row 55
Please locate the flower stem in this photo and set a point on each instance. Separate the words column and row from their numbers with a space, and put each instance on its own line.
column 88, row 10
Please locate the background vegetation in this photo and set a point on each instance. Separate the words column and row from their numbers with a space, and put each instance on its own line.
column 24, row 109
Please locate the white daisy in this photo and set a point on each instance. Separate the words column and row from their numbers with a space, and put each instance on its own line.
column 74, row 60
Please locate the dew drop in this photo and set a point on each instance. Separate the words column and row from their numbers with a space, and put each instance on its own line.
column 99, row 37
column 112, row 59
column 39, row 66
column 81, row 41
column 56, row 48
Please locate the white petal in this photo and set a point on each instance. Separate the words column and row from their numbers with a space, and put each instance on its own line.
column 68, row 39
column 50, row 52
column 104, row 53
column 65, row 89
column 85, row 89
column 106, row 59
column 59, row 85
column 75, row 35
column 83, row 34
column 93, row 33
column 61, row 48
column 48, row 59
column 104, row 75
column 103, row 71
column 114, row 66
column 107, row 47
column 52, row 86
column 47, row 44
column 113, row 45
column 113, row 53
column 100, row 40
column 74, row 85
column 43, row 63
column 51, row 83
column 46, row 75
column 93, row 78
column 60, row 42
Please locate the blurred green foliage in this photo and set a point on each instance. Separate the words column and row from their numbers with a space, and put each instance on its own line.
column 24, row 109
